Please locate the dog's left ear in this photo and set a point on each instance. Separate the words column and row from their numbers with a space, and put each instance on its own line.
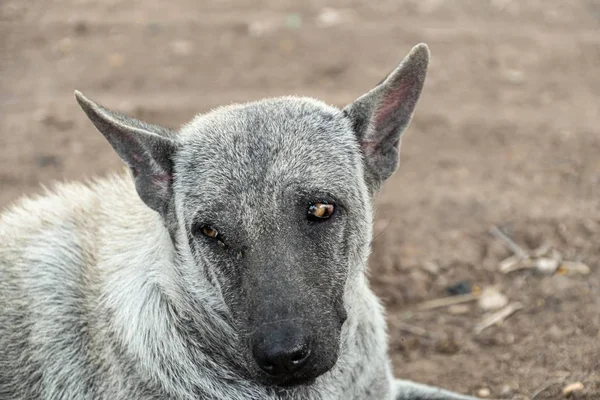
column 147, row 149
column 380, row 116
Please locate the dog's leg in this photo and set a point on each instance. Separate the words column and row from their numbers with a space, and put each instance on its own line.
column 407, row 390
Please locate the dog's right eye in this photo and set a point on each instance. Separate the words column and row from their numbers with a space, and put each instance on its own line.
column 318, row 212
column 206, row 230
column 209, row 231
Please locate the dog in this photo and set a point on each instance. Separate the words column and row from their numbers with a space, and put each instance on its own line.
column 228, row 261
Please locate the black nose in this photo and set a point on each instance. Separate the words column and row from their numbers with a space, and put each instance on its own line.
column 279, row 355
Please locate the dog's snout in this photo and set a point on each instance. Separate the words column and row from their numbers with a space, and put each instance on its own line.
column 281, row 354
column 280, row 362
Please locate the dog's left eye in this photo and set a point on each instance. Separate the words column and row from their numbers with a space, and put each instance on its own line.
column 318, row 212
column 209, row 231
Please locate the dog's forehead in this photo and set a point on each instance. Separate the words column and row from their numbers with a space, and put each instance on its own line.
column 267, row 144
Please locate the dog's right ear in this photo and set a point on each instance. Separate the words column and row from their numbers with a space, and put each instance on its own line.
column 380, row 116
column 147, row 149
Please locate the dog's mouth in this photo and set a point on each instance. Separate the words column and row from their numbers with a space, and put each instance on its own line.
column 292, row 383
column 288, row 382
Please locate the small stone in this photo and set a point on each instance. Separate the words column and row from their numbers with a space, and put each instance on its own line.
column 590, row 225
column 432, row 267
column 41, row 114
column 507, row 390
column 447, row 346
column 491, row 299
column 293, row 21
column 484, row 392
column 116, row 60
column 47, row 160
column 181, row 47
column 509, row 339
column 260, row 28
column 514, row 76
column 328, row 17
column 331, row 16
column 153, row 28
column 547, row 265
column 80, row 28
column 573, row 388
column 65, row 45
column 460, row 288
column 555, row 332
column 441, row 281
column 286, row 45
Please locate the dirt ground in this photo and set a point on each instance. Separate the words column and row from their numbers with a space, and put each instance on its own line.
column 507, row 133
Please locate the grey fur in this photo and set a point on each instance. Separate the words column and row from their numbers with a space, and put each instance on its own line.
column 104, row 296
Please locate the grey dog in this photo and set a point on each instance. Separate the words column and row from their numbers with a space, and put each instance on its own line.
column 227, row 262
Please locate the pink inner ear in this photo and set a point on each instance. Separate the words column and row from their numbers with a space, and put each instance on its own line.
column 162, row 180
column 137, row 158
column 391, row 101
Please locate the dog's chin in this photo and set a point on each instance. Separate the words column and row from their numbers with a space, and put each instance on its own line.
column 295, row 383
column 291, row 382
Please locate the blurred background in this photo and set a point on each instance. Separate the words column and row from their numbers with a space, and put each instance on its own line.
column 506, row 134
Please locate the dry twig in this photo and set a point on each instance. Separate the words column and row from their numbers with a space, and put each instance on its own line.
column 542, row 389
column 515, row 248
column 447, row 301
column 497, row 317
column 418, row 331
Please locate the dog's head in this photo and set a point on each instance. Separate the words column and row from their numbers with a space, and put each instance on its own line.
column 269, row 206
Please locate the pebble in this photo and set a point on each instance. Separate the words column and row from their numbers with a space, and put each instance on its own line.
column 182, row 47
column 261, row 28
column 484, row 392
column 47, row 160
column 460, row 288
column 447, row 346
column 514, row 76
column 573, row 388
column 80, row 28
column 547, row 265
column 328, row 17
column 331, row 16
column 286, row 45
column 491, row 299
column 555, row 332
column 507, row 390
column 432, row 267
column 41, row 114
column 153, row 28
column 293, row 21
column 116, row 60
column 65, row 45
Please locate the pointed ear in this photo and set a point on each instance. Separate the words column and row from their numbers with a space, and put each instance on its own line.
column 147, row 149
column 380, row 116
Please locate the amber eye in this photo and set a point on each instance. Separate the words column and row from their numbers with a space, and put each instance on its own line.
column 209, row 231
column 320, row 211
